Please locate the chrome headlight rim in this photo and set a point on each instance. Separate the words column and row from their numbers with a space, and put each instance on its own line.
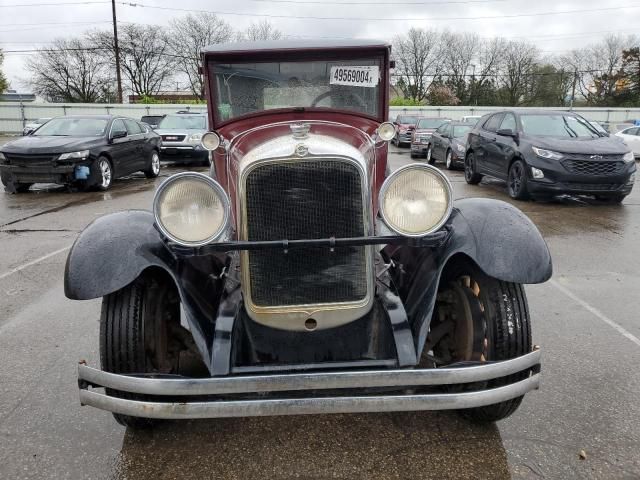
column 210, row 135
column 224, row 199
column 386, row 126
column 389, row 180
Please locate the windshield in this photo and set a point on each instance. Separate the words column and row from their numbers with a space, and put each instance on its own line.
column 409, row 120
column 245, row 88
column 73, row 127
column 183, row 122
column 557, row 125
column 430, row 122
column 460, row 130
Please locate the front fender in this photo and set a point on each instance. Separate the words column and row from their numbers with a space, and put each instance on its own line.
column 112, row 252
column 498, row 237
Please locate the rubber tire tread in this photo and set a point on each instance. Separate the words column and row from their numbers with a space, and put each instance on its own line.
column 122, row 345
column 502, row 297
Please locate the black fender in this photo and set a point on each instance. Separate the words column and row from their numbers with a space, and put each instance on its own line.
column 117, row 248
column 501, row 240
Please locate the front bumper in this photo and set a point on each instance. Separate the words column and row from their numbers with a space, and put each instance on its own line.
column 62, row 174
column 405, row 137
column 558, row 180
column 180, row 149
column 184, row 398
column 419, row 147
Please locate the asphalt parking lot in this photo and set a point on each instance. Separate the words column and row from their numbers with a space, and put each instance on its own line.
column 585, row 319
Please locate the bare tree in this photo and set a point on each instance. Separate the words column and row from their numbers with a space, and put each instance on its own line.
column 419, row 59
column 460, row 61
column 263, row 30
column 188, row 36
column 145, row 56
column 4, row 84
column 518, row 67
column 70, row 71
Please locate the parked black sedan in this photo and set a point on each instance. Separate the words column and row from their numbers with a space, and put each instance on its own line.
column 448, row 144
column 85, row 151
column 546, row 153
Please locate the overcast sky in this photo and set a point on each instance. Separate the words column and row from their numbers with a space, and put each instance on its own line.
column 28, row 27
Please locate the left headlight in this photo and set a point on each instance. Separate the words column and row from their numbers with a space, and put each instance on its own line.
column 629, row 157
column 74, row 155
column 416, row 200
column 191, row 209
column 550, row 154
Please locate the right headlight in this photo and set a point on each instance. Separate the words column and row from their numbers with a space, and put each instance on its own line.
column 629, row 157
column 416, row 200
column 191, row 209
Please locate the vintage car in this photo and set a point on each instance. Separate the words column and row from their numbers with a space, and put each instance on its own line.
column 301, row 276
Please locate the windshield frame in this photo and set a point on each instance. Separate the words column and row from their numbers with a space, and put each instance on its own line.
column 380, row 55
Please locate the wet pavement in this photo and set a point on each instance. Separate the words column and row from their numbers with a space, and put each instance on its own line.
column 586, row 320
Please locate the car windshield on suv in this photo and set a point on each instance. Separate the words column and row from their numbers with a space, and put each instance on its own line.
column 347, row 84
column 183, row 122
column 429, row 123
column 73, row 127
column 557, row 125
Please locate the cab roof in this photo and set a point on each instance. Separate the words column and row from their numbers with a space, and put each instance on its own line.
column 280, row 45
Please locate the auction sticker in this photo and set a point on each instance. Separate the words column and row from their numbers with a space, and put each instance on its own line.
column 367, row 76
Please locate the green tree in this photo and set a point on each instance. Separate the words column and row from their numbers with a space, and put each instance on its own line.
column 4, row 83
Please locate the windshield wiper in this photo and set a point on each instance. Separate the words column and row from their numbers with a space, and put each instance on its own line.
column 568, row 128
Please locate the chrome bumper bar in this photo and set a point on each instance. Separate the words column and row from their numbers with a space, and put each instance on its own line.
column 307, row 381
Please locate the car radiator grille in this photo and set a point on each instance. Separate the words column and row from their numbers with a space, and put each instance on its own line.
column 27, row 160
column 585, row 167
column 306, row 200
column 173, row 138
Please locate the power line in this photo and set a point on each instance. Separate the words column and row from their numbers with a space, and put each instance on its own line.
column 50, row 4
column 384, row 19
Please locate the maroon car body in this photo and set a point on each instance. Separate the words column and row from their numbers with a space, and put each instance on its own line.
column 301, row 275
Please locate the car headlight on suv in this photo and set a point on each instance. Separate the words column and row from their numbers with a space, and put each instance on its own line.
column 460, row 148
column 550, row 154
column 629, row 157
column 191, row 209
column 195, row 138
column 74, row 155
column 416, row 200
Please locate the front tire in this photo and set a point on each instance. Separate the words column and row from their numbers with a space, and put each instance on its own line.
column 517, row 181
column 470, row 175
column 430, row 159
column 135, row 336
column 104, row 173
column 153, row 170
column 492, row 323
column 449, row 160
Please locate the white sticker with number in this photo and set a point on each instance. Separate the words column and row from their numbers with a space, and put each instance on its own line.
column 367, row 76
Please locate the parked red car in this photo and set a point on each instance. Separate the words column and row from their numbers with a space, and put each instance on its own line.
column 302, row 275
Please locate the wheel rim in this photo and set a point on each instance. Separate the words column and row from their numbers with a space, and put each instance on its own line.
column 155, row 163
column 429, row 154
column 105, row 171
column 449, row 160
column 515, row 178
column 468, row 167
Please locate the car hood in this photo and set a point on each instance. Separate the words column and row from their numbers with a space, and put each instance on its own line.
column 601, row 145
column 45, row 144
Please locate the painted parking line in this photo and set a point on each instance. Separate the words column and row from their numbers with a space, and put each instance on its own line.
column 33, row 262
column 619, row 328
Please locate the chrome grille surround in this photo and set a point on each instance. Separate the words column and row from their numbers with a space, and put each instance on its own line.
column 282, row 151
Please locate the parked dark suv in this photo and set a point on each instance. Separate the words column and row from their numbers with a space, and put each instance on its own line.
column 547, row 153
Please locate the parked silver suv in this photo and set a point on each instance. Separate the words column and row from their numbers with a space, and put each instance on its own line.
column 181, row 134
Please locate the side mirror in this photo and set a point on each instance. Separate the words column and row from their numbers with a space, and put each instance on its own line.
column 118, row 134
column 507, row 132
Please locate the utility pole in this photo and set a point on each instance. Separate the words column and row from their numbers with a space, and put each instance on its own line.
column 573, row 89
column 117, row 50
